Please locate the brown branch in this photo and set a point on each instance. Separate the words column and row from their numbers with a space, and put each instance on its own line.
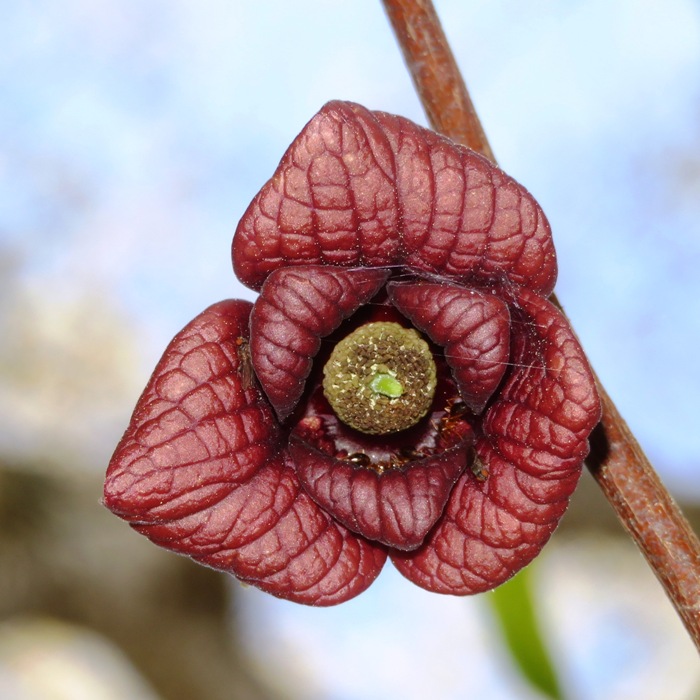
column 435, row 73
column 617, row 462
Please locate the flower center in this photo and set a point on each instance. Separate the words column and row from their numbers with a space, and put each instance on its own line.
column 380, row 379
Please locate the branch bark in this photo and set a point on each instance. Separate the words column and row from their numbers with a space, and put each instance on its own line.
column 617, row 462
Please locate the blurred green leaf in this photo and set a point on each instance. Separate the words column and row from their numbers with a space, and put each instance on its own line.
column 514, row 607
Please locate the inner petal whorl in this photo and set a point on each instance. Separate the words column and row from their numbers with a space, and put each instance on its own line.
column 381, row 378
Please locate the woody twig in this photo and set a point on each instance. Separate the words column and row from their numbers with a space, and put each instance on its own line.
column 617, row 462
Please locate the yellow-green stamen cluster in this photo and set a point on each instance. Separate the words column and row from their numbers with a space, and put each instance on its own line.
column 381, row 378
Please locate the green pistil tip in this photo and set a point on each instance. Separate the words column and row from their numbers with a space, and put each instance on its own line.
column 381, row 378
column 386, row 385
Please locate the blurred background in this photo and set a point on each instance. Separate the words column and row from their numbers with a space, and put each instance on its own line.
column 132, row 136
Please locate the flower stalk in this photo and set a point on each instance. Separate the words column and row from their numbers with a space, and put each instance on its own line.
column 617, row 463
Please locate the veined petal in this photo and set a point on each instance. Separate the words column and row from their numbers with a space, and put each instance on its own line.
column 269, row 533
column 361, row 188
column 201, row 471
column 200, row 427
column 297, row 307
column 472, row 327
column 534, row 442
column 397, row 507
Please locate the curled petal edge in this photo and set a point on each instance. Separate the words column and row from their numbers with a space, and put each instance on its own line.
column 473, row 329
column 297, row 307
column 358, row 188
column 200, row 472
column 533, row 446
column 397, row 507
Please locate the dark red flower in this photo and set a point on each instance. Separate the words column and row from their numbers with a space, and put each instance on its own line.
column 400, row 387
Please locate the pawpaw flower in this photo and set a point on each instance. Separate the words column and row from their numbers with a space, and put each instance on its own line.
column 401, row 387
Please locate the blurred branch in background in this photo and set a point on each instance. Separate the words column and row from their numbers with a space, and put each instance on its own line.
column 65, row 358
column 617, row 462
column 64, row 557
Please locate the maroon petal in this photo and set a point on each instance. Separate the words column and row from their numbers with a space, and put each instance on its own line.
column 269, row 533
column 199, row 471
column 360, row 188
column 297, row 307
column 196, row 430
column 534, row 442
column 473, row 328
column 397, row 507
